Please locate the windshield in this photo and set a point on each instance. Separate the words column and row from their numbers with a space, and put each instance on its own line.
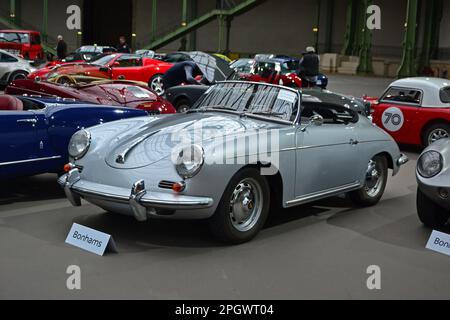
column 14, row 37
column 289, row 67
column 251, row 99
column 103, row 61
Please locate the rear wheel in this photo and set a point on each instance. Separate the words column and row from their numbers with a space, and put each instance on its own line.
column 436, row 132
column 243, row 209
column 17, row 75
column 182, row 105
column 430, row 214
column 375, row 184
column 156, row 84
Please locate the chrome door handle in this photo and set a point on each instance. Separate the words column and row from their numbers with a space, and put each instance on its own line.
column 32, row 121
column 354, row 142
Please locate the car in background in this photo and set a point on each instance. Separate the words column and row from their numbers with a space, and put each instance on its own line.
column 191, row 173
column 13, row 68
column 117, row 66
column 24, row 43
column 433, row 176
column 94, row 90
column 279, row 71
column 414, row 111
column 35, row 132
column 84, row 54
column 243, row 65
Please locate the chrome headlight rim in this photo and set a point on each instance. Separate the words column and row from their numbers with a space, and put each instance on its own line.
column 180, row 164
column 80, row 154
column 421, row 165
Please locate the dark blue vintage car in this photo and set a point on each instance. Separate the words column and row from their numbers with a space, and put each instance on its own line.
column 35, row 132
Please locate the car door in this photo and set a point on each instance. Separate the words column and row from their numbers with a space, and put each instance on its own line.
column 128, row 68
column 327, row 155
column 397, row 112
column 18, row 141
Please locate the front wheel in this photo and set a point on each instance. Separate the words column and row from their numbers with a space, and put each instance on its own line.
column 17, row 75
column 430, row 214
column 436, row 132
column 183, row 105
column 156, row 84
column 243, row 209
column 375, row 183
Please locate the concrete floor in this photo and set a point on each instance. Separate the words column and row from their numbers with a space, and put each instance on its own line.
column 316, row 251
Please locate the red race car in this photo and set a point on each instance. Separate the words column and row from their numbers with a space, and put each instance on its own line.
column 273, row 71
column 414, row 111
column 94, row 90
column 24, row 43
column 119, row 66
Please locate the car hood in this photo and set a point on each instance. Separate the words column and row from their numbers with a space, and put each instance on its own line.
column 159, row 137
column 121, row 93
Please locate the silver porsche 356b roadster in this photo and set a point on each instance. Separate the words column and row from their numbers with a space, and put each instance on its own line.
column 244, row 148
column 433, row 176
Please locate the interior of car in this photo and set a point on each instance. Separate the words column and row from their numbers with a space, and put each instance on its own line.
column 11, row 103
column 331, row 113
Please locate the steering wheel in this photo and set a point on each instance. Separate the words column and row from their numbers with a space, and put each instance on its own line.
column 66, row 80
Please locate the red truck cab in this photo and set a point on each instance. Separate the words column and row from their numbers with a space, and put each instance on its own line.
column 24, row 43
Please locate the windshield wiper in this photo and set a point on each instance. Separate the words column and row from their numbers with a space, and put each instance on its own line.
column 270, row 114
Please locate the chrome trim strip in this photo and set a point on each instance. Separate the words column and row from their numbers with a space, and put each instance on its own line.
column 322, row 194
column 30, row 160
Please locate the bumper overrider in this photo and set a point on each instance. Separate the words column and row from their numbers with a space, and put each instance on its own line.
column 141, row 202
column 402, row 160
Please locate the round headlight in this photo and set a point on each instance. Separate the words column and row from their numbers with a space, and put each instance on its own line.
column 189, row 161
column 79, row 144
column 430, row 164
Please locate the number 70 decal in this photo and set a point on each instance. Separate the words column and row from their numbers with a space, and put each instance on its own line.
column 393, row 119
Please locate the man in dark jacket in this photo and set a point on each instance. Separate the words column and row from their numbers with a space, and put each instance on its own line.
column 182, row 72
column 61, row 48
column 309, row 66
column 123, row 46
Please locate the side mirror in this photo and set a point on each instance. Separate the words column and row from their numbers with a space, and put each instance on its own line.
column 116, row 64
column 316, row 120
column 37, row 79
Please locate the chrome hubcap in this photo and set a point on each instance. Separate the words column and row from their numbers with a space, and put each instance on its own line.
column 437, row 134
column 183, row 108
column 246, row 205
column 374, row 179
column 157, row 85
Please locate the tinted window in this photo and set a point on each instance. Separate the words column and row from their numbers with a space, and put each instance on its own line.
column 445, row 95
column 403, row 95
column 105, row 60
column 126, row 62
column 7, row 58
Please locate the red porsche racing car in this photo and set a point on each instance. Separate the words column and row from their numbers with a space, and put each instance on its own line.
column 118, row 66
column 414, row 111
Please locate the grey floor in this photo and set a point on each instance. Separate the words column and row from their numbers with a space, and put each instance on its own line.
column 316, row 251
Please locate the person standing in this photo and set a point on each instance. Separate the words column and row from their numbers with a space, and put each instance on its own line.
column 123, row 46
column 61, row 48
column 309, row 66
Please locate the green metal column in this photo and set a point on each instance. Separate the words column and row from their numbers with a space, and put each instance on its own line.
column 360, row 25
column 184, row 18
column 45, row 21
column 12, row 11
column 407, row 67
column 365, row 52
column 438, row 10
column 224, row 34
column 316, row 29
column 349, row 29
column 153, row 22
column 427, row 29
column 192, row 39
column 329, row 28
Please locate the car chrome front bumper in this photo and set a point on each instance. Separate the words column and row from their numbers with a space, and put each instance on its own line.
column 402, row 160
column 142, row 202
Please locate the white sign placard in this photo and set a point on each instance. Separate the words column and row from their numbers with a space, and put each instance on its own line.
column 287, row 95
column 90, row 240
column 439, row 242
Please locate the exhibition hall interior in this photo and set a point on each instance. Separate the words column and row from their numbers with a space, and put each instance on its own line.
column 209, row 153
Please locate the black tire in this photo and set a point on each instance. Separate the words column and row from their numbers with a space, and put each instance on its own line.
column 155, row 83
column 432, row 132
column 183, row 105
column 222, row 224
column 17, row 75
column 364, row 197
column 430, row 214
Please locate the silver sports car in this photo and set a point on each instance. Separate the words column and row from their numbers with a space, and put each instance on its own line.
column 433, row 175
column 244, row 148
column 13, row 68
